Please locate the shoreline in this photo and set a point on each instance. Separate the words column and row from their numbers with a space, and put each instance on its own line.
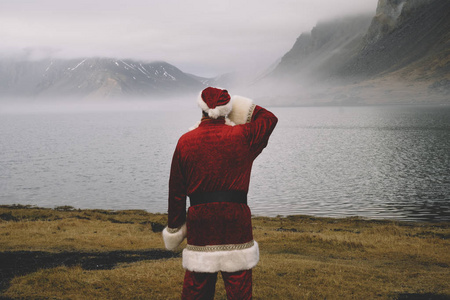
column 366, row 218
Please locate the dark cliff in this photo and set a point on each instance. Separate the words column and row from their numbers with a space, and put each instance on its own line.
column 414, row 35
column 328, row 46
column 400, row 55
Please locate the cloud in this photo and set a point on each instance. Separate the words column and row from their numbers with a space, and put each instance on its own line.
column 202, row 37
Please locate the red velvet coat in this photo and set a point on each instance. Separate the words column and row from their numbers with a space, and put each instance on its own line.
column 217, row 157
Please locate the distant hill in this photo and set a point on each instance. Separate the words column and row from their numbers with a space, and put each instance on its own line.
column 93, row 78
column 400, row 55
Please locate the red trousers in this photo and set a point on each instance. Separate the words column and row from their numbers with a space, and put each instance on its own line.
column 238, row 285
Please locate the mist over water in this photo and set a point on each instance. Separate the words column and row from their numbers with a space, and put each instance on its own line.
column 376, row 162
column 101, row 105
column 91, row 155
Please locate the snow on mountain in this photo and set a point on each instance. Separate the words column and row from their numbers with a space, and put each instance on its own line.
column 93, row 78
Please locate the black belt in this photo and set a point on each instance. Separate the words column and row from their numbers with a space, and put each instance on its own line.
column 220, row 196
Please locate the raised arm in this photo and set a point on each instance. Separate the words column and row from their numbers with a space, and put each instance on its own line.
column 259, row 122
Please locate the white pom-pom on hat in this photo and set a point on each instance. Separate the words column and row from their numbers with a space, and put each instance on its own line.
column 215, row 102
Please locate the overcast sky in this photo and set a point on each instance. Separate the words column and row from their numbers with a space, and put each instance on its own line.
column 206, row 38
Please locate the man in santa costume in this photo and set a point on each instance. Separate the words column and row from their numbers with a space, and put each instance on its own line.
column 211, row 165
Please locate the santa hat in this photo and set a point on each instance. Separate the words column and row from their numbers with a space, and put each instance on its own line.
column 215, row 102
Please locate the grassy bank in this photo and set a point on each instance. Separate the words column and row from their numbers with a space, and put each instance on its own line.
column 97, row 254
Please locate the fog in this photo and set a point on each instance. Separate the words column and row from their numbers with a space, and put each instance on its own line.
column 202, row 37
column 24, row 106
column 247, row 40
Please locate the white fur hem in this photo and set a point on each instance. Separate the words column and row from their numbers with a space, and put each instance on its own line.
column 242, row 110
column 218, row 111
column 173, row 240
column 227, row 261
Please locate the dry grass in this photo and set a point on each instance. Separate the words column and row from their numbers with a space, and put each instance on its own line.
column 78, row 230
column 301, row 257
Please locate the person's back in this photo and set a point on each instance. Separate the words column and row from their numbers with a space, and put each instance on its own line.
column 212, row 165
column 216, row 156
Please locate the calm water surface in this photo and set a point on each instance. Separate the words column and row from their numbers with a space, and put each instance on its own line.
column 376, row 162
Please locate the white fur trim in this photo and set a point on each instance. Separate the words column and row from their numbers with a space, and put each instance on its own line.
column 173, row 240
column 218, row 111
column 229, row 122
column 242, row 109
column 227, row 261
column 195, row 126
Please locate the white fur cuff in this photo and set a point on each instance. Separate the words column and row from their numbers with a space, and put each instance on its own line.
column 242, row 110
column 227, row 261
column 173, row 239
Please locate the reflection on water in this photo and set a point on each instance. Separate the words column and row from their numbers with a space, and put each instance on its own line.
column 377, row 162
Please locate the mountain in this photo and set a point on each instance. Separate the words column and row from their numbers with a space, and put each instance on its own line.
column 400, row 55
column 405, row 35
column 93, row 78
column 326, row 48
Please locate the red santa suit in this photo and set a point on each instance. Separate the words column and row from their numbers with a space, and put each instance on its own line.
column 212, row 165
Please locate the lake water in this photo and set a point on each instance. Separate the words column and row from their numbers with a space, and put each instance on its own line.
column 375, row 162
